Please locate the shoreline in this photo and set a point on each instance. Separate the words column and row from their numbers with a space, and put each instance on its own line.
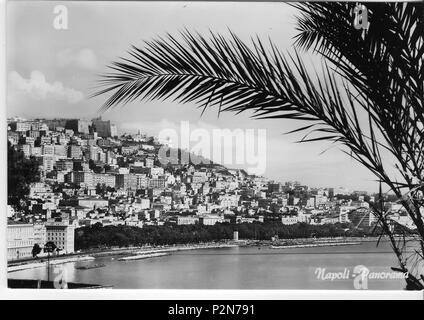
column 132, row 251
column 316, row 245
column 128, row 252
column 34, row 265
column 193, row 247
column 312, row 241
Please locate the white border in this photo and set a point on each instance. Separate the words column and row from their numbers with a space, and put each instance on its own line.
column 144, row 294
column 3, row 146
column 136, row 294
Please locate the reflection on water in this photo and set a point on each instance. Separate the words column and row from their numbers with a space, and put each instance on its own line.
column 235, row 268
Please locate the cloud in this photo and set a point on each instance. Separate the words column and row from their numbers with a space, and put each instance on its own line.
column 83, row 59
column 37, row 88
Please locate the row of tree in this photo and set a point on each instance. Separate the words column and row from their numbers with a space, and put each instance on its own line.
column 98, row 236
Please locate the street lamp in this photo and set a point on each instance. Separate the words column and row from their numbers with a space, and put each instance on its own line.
column 49, row 247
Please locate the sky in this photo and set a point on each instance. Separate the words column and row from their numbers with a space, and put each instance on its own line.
column 51, row 73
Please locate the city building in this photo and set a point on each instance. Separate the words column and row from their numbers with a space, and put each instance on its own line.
column 40, row 234
column 181, row 220
column 62, row 234
column 74, row 151
column 102, row 127
column 20, row 241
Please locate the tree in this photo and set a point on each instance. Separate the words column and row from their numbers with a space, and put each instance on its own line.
column 368, row 97
column 101, row 189
column 21, row 172
column 36, row 249
column 50, row 247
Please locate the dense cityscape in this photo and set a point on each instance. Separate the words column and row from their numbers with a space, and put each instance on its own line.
column 87, row 177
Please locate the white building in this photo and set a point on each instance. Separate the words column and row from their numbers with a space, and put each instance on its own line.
column 39, row 189
column 142, row 204
column 187, row 220
column 62, row 234
column 48, row 163
column 23, row 126
column 40, row 234
column 20, row 241
column 344, row 211
column 289, row 220
column 210, row 220
column 93, row 203
column 228, row 201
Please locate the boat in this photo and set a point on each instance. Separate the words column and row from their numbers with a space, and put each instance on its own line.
column 93, row 266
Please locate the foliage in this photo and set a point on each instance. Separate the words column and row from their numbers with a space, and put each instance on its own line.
column 21, row 172
column 36, row 249
column 50, row 246
column 97, row 236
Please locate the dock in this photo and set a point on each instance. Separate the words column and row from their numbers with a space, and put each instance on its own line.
column 143, row 256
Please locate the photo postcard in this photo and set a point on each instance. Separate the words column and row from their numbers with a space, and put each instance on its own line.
column 215, row 145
